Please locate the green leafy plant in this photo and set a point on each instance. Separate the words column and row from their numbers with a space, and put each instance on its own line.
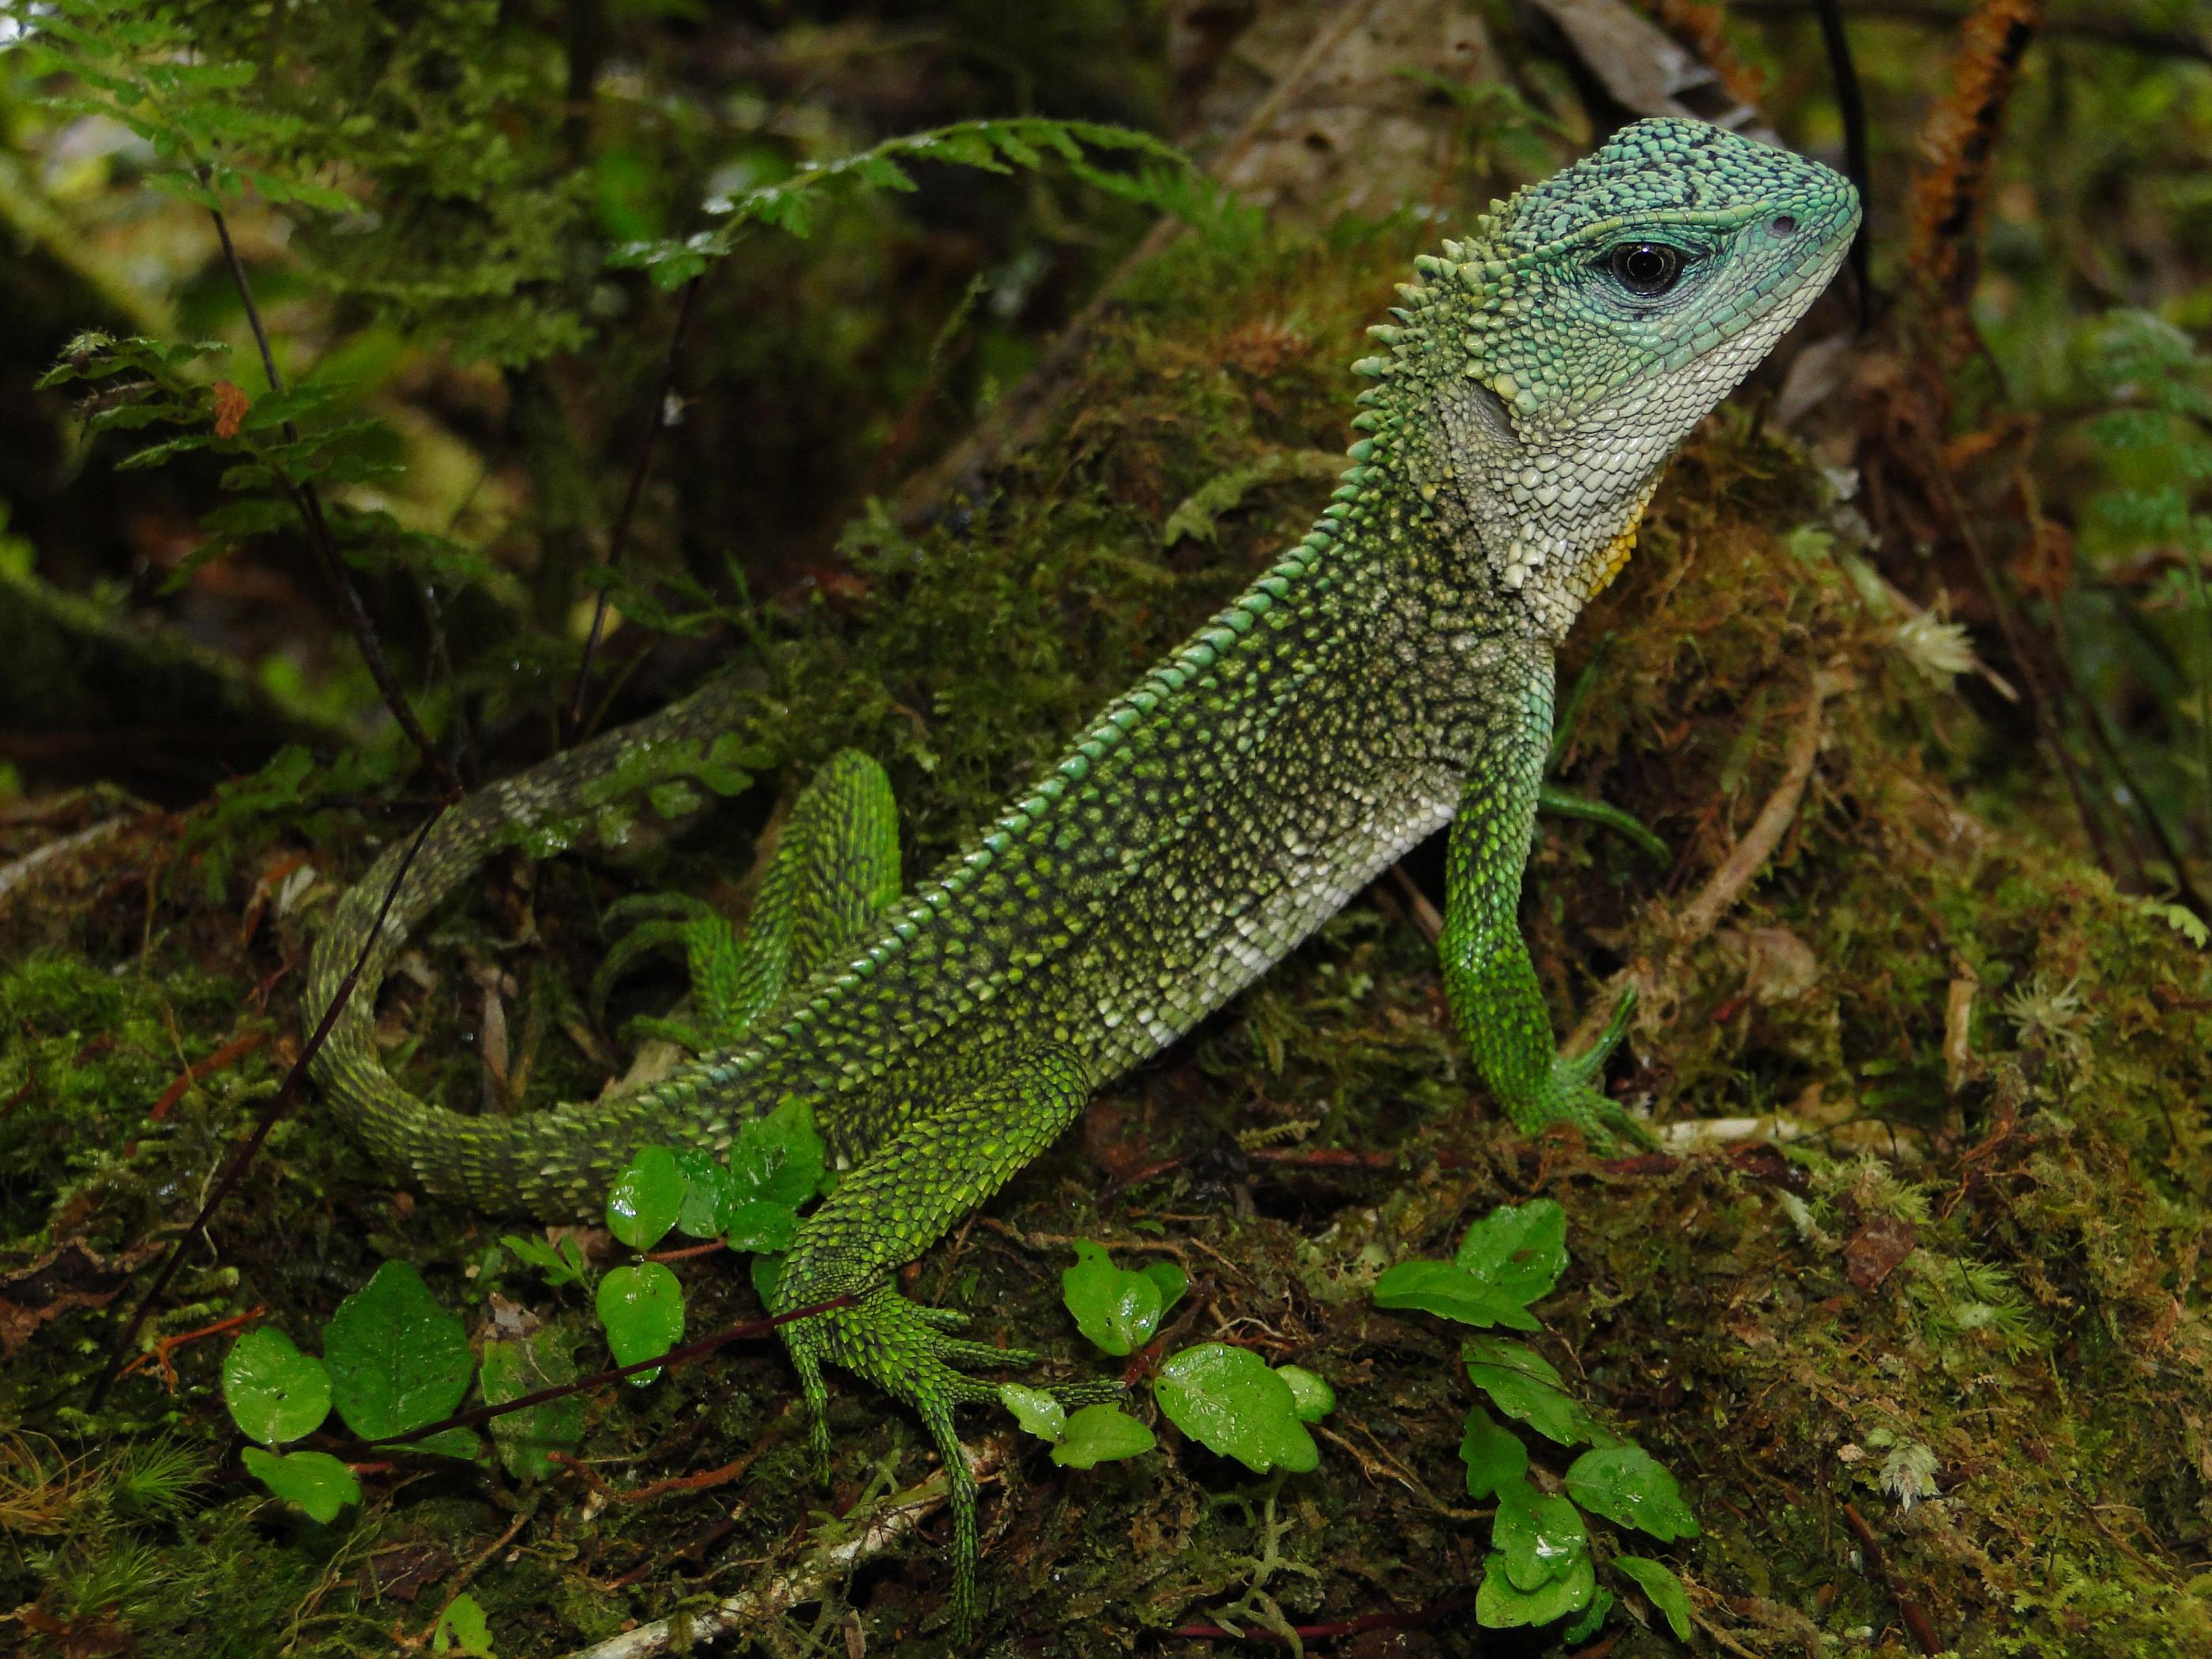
column 1227, row 1399
column 1117, row 1309
column 275, row 1393
column 398, row 1360
column 1090, row 1435
column 1232, row 1402
column 1540, row 1569
column 462, row 1628
column 1162, row 180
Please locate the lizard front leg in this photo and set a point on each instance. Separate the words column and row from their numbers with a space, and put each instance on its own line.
column 952, row 1153
column 1489, row 980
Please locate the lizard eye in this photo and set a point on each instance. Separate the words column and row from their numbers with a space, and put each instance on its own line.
column 1645, row 268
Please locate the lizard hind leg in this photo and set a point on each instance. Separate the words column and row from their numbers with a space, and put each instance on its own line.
column 834, row 870
column 955, row 1145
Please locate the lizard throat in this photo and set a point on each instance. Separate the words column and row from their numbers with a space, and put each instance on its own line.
column 1615, row 557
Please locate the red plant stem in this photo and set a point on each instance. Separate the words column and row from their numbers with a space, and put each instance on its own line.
column 683, row 1356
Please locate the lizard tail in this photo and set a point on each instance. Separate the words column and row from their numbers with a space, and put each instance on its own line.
column 555, row 1164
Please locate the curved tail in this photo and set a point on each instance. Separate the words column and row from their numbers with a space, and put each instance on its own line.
column 551, row 1164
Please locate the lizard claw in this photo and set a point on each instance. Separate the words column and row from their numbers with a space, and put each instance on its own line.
column 1572, row 1093
column 903, row 1347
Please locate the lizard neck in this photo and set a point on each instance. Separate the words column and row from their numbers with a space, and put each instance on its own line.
column 1447, row 510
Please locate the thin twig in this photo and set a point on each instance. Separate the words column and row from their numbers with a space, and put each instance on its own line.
column 1727, row 884
column 278, row 1103
column 619, row 539
column 461, row 1580
column 1845, row 72
column 309, row 506
column 751, row 1609
column 1418, row 1620
column 1916, row 1621
column 2096, row 31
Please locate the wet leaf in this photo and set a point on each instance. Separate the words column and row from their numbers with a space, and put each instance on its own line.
column 1626, row 1484
column 275, row 1392
column 315, row 1481
column 1101, row 1434
column 397, row 1359
column 1499, row 1606
column 1228, row 1401
column 1037, row 1412
column 1539, row 1538
column 643, row 1307
column 646, row 1198
column 1116, row 1309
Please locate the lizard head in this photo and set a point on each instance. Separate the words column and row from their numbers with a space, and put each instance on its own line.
column 1550, row 366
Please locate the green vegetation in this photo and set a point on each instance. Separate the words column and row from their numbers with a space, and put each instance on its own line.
column 1957, row 1309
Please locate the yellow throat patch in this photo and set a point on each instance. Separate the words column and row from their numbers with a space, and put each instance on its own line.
column 1616, row 555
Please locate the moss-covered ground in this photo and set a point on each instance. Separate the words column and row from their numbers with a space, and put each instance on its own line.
column 1937, row 1368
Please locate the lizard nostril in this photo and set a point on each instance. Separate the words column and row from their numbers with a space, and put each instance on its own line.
column 1783, row 224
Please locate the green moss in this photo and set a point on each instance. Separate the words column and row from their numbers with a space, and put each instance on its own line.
column 2044, row 1340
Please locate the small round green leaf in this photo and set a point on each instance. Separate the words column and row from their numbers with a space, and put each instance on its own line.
column 527, row 1439
column 1037, row 1412
column 1310, row 1396
column 1498, row 1604
column 1101, row 1434
column 1626, row 1484
column 1519, row 1248
column 706, row 1194
column 315, row 1481
column 1229, row 1402
column 397, row 1359
column 1117, row 1310
column 777, row 1158
column 275, row 1392
column 643, row 1307
column 758, row 1225
column 1522, row 1384
column 1539, row 1538
column 1495, row 1456
column 1657, row 1581
column 646, row 1198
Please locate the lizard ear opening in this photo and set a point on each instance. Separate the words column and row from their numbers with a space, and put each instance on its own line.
column 1490, row 413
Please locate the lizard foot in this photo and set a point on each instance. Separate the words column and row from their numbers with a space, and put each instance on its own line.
column 906, row 1349
column 1572, row 1092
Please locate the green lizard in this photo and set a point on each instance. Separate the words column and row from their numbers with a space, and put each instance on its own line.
column 1392, row 673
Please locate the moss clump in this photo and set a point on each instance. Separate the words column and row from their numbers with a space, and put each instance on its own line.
column 1963, row 1315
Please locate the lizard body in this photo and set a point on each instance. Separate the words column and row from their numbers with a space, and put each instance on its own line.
column 1391, row 673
